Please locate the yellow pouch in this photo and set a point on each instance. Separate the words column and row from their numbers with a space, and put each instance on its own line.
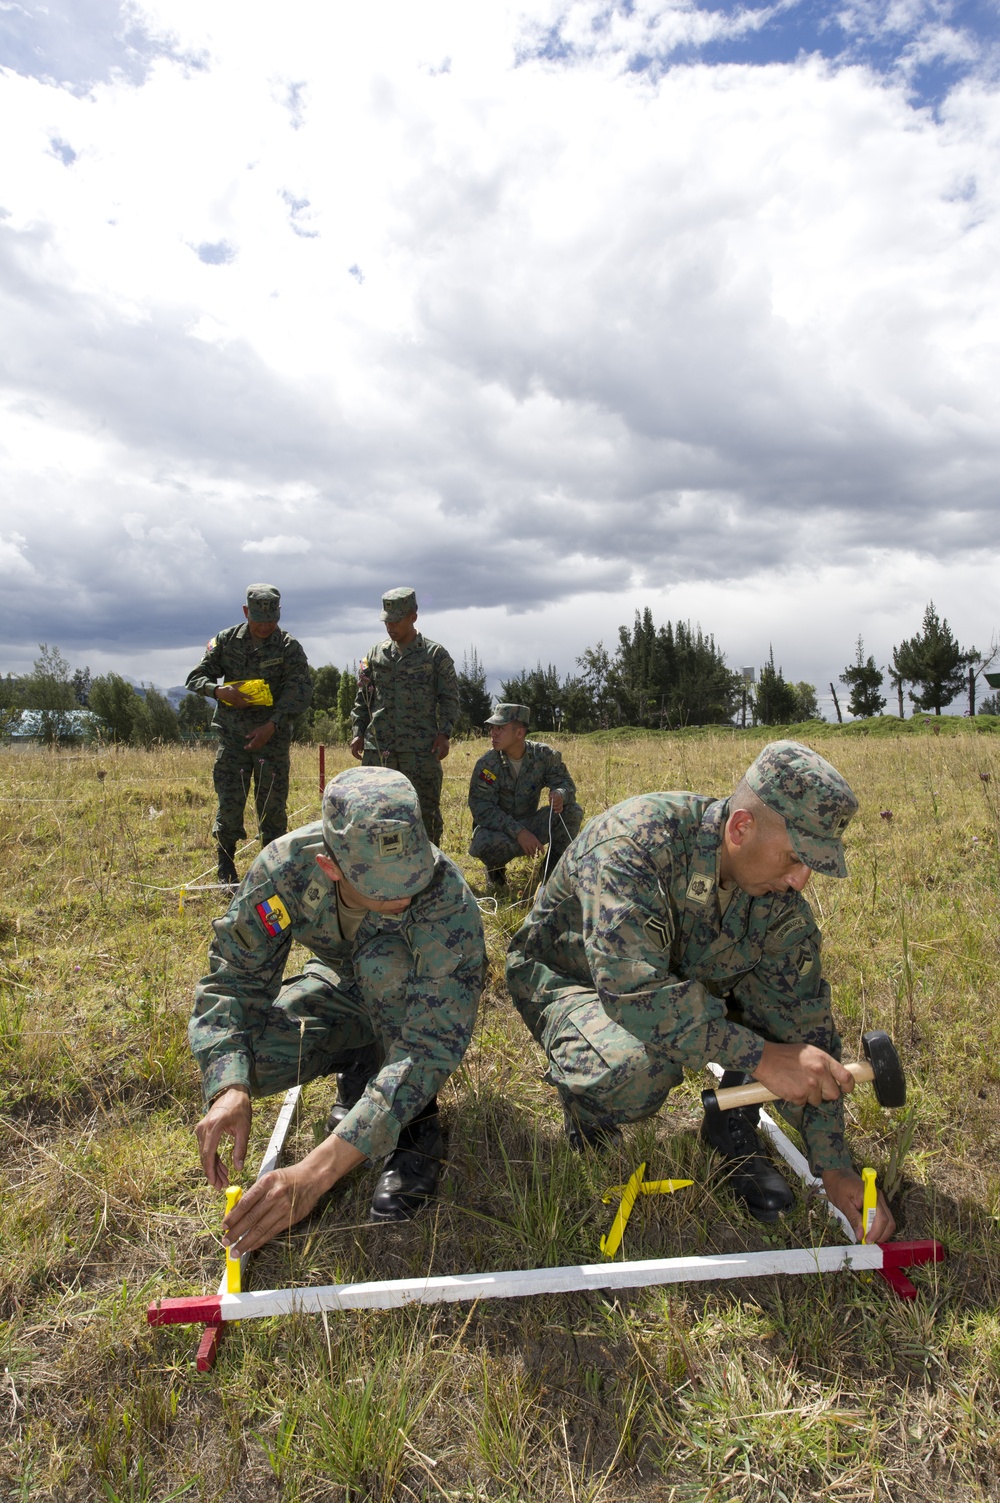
column 255, row 689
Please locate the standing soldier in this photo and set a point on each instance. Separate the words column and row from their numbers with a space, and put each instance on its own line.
column 387, row 999
column 673, row 932
column 504, row 791
column 266, row 684
column 406, row 706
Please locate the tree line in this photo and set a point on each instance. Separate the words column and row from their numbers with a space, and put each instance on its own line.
column 663, row 677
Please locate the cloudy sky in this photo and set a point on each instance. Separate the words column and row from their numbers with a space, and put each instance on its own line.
column 550, row 309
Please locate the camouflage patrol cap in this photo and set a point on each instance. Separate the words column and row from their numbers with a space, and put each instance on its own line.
column 398, row 603
column 263, row 602
column 508, row 714
column 373, row 830
column 812, row 798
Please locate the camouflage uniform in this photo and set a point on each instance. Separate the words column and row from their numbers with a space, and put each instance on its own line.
column 627, row 972
column 503, row 804
column 406, row 697
column 408, row 984
column 233, row 655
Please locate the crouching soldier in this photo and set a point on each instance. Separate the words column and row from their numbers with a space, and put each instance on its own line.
column 674, row 932
column 504, row 794
column 387, row 1001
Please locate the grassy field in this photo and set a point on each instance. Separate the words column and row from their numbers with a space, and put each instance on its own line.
column 768, row 1390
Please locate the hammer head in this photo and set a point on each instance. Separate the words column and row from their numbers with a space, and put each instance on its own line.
column 889, row 1080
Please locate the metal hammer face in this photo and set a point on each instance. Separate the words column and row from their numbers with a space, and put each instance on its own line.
column 887, row 1071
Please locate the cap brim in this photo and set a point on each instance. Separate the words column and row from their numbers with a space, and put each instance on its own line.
column 411, row 880
column 823, row 856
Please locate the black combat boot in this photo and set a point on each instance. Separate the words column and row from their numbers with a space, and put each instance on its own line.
column 597, row 1136
column 751, row 1175
column 411, row 1172
column 496, row 878
column 228, row 875
column 351, row 1082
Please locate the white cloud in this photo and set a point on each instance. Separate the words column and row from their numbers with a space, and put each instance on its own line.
column 547, row 341
column 281, row 542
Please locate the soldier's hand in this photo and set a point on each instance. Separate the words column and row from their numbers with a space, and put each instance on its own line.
column 557, row 802
column 802, row 1074
column 228, row 694
column 358, row 747
column 279, row 1200
column 530, row 844
column 440, row 746
column 846, row 1190
column 261, row 736
column 229, row 1116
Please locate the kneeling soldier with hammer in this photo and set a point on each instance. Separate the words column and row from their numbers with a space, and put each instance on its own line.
column 673, row 932
column 387, row 1001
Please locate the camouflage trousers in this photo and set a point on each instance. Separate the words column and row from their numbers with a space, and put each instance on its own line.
column 235, row 770
column 318, row 1025
column 493, row 848
column 424, row 771
column 603, row 1073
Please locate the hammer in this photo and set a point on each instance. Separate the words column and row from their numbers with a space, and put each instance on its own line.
column 881, row 1066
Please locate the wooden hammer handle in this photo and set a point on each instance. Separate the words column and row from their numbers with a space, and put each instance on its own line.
column 753, row 1093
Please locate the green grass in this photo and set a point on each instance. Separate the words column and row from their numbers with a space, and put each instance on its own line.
column 769, row 1390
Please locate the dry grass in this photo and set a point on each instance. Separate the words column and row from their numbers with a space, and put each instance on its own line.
column 777, row 1389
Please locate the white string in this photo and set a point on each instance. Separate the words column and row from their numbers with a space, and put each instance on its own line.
column 193, row 886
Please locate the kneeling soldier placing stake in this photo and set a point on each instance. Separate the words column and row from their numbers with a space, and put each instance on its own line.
column 673, row 932
column 388, row 1001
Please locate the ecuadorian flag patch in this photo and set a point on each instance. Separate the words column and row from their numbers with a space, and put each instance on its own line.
column 274, row 916
column 486, row 776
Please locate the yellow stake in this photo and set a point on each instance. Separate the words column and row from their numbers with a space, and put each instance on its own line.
column 232, row 1258
column 180, row 899
column 637, row 1185
column 869, row 1204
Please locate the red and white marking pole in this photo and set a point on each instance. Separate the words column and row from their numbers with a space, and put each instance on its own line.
column 322, row 771
column 890, row 1259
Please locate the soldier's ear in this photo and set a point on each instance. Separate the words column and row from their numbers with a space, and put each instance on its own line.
column 329, row 867
column 740, row 826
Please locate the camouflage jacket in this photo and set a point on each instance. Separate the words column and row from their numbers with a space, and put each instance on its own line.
column 235, row 654
column 406, row 696
column 632, row 911
column 499, row 801
column 419, row 974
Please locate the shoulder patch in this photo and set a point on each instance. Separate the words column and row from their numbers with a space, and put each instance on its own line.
column 273, row 915
column 700, row 889
column 485, row 776
column 787, row 927
column 659, row 930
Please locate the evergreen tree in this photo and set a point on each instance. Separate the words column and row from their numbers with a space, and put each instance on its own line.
column 117, row 709
column 326, row 687
column 935, row 664
column 864, row 679
column 806, row 702
column 194, row 716
column 346, row 695
column 775, row 701
column 672, row 676
column 474, row 699
column 158, row 721
column 10, row 706
column 596, row 681
column 81, row 686
column 48, row 690
column 540, row 690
